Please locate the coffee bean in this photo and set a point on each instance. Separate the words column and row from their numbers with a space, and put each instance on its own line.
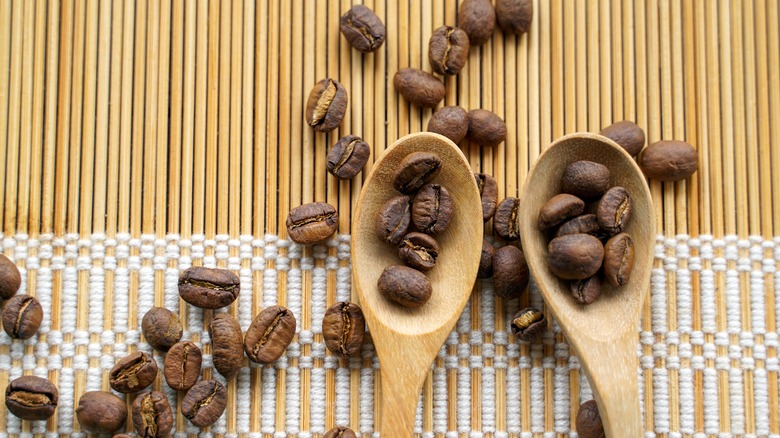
column 618, row 259
column 22, row 315
column 101, row 412
column 419, row 87
column 31, row 398
column 312, row 223
column 418, row 251
column 529, row 324
column 627, row 134
column 327, row 105
column 122, row 435
column 451, row 122
column 506, row 220
column 485, row 128
column 510, row 272
column 152, row 415
column 204, row 403
column 488, row 193
column 514, row 16
column 209, row 288
column 161, row 328
column 669, row 160
column 478, row 19
column 614, row 210
column 486, row 260
column 227, row 343
column 343, row 327
column 347, row 157
column 432, row 209
column 340, row 432
column 559, row 209
column 589, row 421
column 586, row 291
column 394, row 219
column 269, row 335
column 133, row 373
column 182, row 365
column 575, row 256
column 405, row 286
column 362, row 28
column 416, row 170
column 584, row 224
column 10, row 278
column 448, row 50
column 585, row 179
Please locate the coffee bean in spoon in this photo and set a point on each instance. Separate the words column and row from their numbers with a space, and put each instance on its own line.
column 586, row 291
column 418, row 87
column 451, row 122
column 418, row 251
column 575, row 256
column 558, row 209
column 585, row 179
column 614, row 210
column 312, row 223
column 405, row 286
column 618, row 259
column 432, row 209
column 347, row 157
column 510, row 272
column 505, row 220
column 415, row 170
column 448, row 50
column 362, row 28
column 583, row 224
column 627, row 134
column 488, row 193
column 326, row 105
column 394, row 219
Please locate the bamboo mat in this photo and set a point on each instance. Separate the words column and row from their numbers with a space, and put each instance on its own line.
column 142, row 137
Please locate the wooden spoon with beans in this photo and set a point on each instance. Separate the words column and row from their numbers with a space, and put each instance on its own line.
column 408, row 339
column 603, row 334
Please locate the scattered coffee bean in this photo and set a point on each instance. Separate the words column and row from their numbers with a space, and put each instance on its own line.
column 618, row 259
column 133, row 373
column 101, row 412
column 405, row 286
column 589, row 421
column 488, row 193
column 432, row 209
column 584, row 224
column 448, row 50
column 419, row 87
column 152, row 415
column 347, row 157
column 343, row 327
column 227, row 344
column 394, row 219
column 486, row 260
column 31, row 398
column 586, row 291
column 585, row 179
column 515, row 16
column 669, row 160
column 485, row 128
column 418, row 251
column 627, row 134
column 10, row 278
column 506, row 220
column 529, row 324
column 478, row 19
column 22, row 315
column 327, row 105
column 182, row 365
column 204, row 403
column 208, row 288
column 362, row 28
column 416, row 170
column 559, row 209
column 340, row 432
column 161, row 328
column 451, row 122
column 510, row 272
column 614, row 210
column 312, row 223
column 575, row 256
column 269, row 335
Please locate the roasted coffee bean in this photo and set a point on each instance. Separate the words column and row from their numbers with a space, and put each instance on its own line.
column 394, row 219
column 584, row 224
column 419, row 87
column 575, row 256
column 347, row 157
column 416, row 170
column 269, row 335
column 312, row 223
column 22, row 315
column 31, row 398
column 362, row 28
column 559, row 209
column 510, row 272
column 627, row 134
column 448, row 50
column 589, row 421
column 506, row 220
column 161, row 328
column 152, row 415
column 122, row 435
column 451, row 122
column 488, row 192
column 204, row 403
column 343, row 327
column 529, row 324
column 327, row 105
column 515, row 16
column 614, row 210
column 486, row 260
column 209, row 288
column 432, row 209
column 478, row 19
column 405, row 286
column 585, row 179
column 340, row 432
column 485, row 128
column 618, row 259
column 418, row 251
column 227, row 345
column 10, row 278
column 133, row 373
column 182, row 365
column 586, row 291
column 669, row 160
column 101, row 412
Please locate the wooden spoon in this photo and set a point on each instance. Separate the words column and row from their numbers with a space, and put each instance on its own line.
column 603, row 334
column 407, row 340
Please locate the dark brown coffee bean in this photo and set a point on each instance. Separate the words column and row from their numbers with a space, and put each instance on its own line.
column 478, row 19
column 432, row 209
column 227, row 345
column 575, row 256
column 419, row 87
column 152, row 415
column 122, row 435
column 269, row 335
column 614, row 210
column 451, row 122
column 327, row 105
column 182, row 365
column 418, row 251
column 340, row 432
column 515, row 16
column 22, row 315
column 10, row 278
column 586, row 291
column 486, row 260
column 343, row 327
column 347, row 157
column 486, row 128
column 488, row 192
column 204, row 403
column 133, row 373
column 506, row 220
column 416, row 170
column 312, row 223
column 559, row 209
column 362, row 28
column 394, row 219
column 585, row 179
column 31, row 398
column 584, row 224
column 209, row 288
column 448, row 50
column 510, row 272
column 101, row 412
column 405, row 286
column 589, row 421
column 669, row 160
column 161, row 328
column 529, row 324
column 618, row 259
column 627, row 134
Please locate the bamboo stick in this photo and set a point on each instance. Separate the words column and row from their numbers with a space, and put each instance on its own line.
column 14, row 116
